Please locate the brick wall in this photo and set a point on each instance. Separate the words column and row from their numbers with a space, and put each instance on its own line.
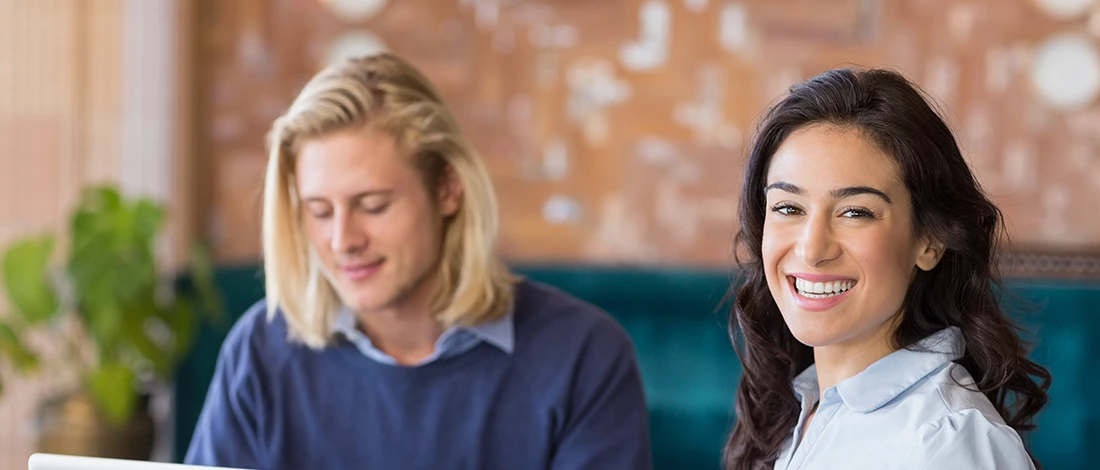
column 614, row 139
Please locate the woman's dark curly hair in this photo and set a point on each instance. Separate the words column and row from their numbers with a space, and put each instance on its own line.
column 960, row 291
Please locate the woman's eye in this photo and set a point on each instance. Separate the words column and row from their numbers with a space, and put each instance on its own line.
column 857, row 213
column 786, row 209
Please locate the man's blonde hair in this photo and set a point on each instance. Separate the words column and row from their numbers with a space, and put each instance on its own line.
column 381, row 93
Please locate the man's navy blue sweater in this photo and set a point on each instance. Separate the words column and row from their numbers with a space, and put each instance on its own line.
column 568, row 397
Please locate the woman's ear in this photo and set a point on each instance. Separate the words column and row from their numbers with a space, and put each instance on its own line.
column 931, row 251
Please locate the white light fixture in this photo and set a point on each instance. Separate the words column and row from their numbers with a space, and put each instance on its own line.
column 1065, row 9
column 1065, row 71
column 356, row 43
column 560, row 209
column 354, row 10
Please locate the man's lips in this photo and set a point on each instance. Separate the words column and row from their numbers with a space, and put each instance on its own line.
column 361, row 271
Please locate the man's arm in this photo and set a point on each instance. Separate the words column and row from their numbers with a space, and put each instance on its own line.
column 608, row 425
column 228, row 429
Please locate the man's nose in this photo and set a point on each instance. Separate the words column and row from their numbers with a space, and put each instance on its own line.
column 347, row 236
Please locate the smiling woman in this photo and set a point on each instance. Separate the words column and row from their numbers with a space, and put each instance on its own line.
column 868, row 325
column 839, row 216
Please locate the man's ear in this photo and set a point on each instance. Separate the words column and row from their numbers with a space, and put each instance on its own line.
column 450, row 192
column 931, row 252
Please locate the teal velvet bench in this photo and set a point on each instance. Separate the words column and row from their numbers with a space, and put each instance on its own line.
column 677, row 318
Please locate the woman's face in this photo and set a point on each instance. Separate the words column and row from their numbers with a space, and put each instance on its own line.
column 839, row 246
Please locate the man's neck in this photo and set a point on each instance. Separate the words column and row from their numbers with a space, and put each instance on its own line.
column 406, row 331
column 408, row 337
column 838, row 362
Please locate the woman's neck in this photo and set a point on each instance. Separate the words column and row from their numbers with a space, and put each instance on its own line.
column 841, row 361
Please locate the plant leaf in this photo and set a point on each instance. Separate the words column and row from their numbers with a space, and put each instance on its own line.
column 182, row 321
column 27, row 280
column 102, row 198
column 112, row 389
column 12, row 346
column 135, row 333
column 148, row 217
column 206, row 290
column 104, row 322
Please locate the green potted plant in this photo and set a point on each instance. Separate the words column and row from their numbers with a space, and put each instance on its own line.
column 107, row 318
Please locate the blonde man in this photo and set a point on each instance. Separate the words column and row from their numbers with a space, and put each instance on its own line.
column 391, row 336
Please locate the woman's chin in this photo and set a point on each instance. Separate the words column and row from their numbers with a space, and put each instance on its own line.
column 813, row 337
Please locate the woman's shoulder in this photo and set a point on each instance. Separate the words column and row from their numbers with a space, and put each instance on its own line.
column 969, row 438
column 956, row 390
column 945, row 400
column 965, row 430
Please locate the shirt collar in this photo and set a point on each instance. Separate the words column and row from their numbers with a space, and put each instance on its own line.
column 888, row 377
column 805, row 384
column 499, row 333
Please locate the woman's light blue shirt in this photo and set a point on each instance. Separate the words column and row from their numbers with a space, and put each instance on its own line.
column 913, row 409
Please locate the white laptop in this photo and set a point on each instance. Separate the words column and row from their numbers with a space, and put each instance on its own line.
column 71, row 462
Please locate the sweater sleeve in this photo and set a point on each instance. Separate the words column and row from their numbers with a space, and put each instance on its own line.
column 228, row 431
column 607, row 427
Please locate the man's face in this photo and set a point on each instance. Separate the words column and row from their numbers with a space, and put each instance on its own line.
column 370, row 218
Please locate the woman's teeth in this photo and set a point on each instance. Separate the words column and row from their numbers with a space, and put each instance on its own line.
column 821, row 290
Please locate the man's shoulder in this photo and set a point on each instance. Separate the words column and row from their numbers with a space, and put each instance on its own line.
column 551, row 324
column 564, row 344
column 549, row 309
column 257, row 336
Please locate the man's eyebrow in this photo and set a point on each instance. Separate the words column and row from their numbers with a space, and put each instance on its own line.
column 374, row 192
